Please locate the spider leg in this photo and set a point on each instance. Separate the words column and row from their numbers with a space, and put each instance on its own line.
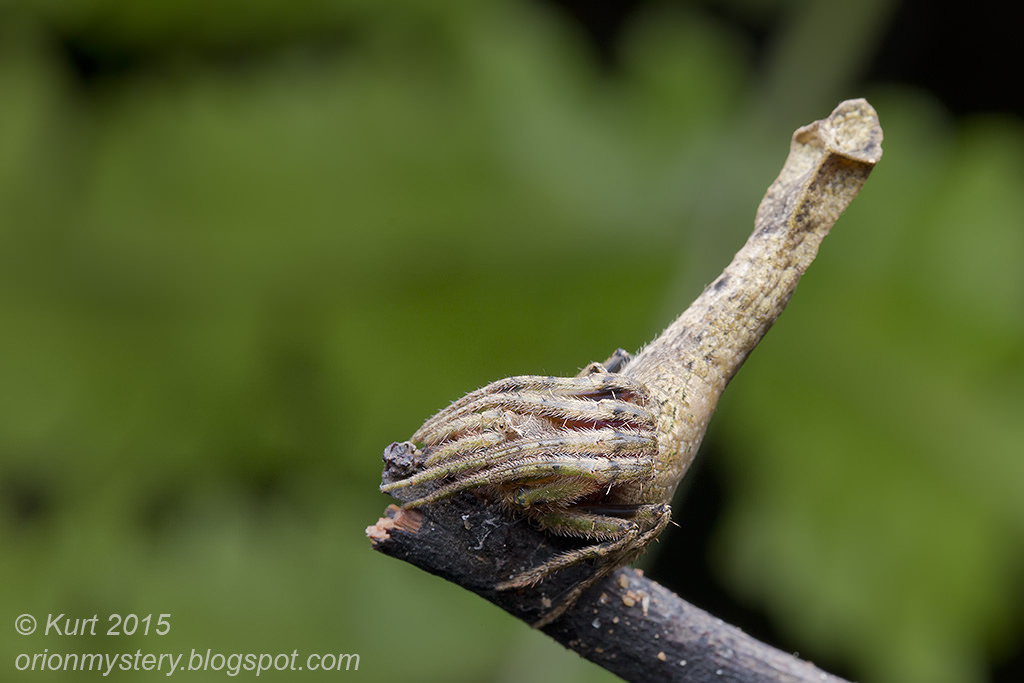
column 493, row 410
column 596, row 470
column 558, row 492
column 618, row 533
column 492, row 420
column 528, row 393
column 620, row 444
column 623, row 540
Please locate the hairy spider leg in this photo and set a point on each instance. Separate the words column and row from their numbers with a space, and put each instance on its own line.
column 567, row 443
column 494, row 407
column 627, row 538
column 598, row 470
column 589, row 385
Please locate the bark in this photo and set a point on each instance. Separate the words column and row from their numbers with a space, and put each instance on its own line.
column 627, row 624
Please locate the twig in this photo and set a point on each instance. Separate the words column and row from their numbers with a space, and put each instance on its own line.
column 627, row 624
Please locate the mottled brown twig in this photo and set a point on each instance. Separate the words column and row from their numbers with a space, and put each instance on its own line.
column 599, row 456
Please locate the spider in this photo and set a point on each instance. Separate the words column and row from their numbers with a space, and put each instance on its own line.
column 598, row 456
column 574, row 454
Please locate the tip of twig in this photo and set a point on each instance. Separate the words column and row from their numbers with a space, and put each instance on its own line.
column 394, row 518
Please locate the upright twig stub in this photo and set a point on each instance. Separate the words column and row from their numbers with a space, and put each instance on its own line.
column 499, row 488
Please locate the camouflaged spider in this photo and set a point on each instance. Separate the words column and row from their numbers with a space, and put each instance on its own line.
column 574, row 454
column 598, row 456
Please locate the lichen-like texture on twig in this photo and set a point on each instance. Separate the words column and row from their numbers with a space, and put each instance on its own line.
column 499, row 489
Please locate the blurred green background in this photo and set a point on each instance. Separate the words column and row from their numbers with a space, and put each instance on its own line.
column 245, row 245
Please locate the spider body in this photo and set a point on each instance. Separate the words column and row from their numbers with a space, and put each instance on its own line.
column 598, row 456
column 575, row 454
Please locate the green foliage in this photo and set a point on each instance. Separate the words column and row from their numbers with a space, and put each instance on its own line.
column 225, row 287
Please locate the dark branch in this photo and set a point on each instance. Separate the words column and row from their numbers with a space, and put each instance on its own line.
column 627, row 624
